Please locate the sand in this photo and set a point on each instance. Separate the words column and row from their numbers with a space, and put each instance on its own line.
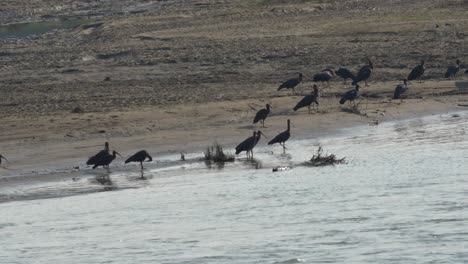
column 176, row 77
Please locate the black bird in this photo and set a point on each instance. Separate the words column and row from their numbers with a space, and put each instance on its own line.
column 345, row 74
column 350, row 95
column 400, row 89
column 452, row 70
column 466, row 71
column 2, row 157
column 101, row 154
column 140, row 156
column 262, row 114
column 291, row 83
column 417, row 72
column 257, row 139
column 364, row 73
column 308, row 100
column 282, row 137
column 324, row 76
column 247, row 145
column 106, row 160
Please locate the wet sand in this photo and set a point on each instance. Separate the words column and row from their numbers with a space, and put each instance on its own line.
column 177, row 76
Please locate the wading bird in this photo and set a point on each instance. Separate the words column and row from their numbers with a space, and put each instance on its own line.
column 282, row 137
column 2, row 157
column 262, row 114
column 291, row 83
column 308, row 100
column 452, row 70
column 140, row 156
column 247, row 145
column 417, row 72
column 364, row 73
column 345, row 74
column 101, row 154
column 257, row 139
column 324, row 76
column 106, row 160
column 350, row 96
column 400, row 89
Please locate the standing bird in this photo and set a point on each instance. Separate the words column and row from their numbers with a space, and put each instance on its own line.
column 291, row 83
column 140, row 156
column 282, row 137
column 350, row 96
column 400, row 89
column 417, row 72
column 101, row 154
column 364, row 73
column 106, row 160
column 257, row 139
column 247, row 145
column 452, row 70
column 466, row 71
column 345, row 74
column 308, row 100
column 262, row 114
column 2, row 157
column 324, row 76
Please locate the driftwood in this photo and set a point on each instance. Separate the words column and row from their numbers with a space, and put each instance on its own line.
column 319, row 159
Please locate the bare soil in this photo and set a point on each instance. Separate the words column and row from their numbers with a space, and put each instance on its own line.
column 173, row 75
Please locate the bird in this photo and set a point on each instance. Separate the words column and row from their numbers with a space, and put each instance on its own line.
column 247, row 145
column 417, row 72
column 103, row 153
column 452, row 70
column 308, row 100
column 2, row 157
column 324, row 76
column 291, row 83
column 350, row 95
column 400, row 89
column 106, row 160
column 257, row 139
column 262, row 114
column 345, row 74
column 140, row 156
column 282, row 137
column 466, row 71
column 364, row 73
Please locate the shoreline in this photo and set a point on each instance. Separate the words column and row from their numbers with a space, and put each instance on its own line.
column 331, row 123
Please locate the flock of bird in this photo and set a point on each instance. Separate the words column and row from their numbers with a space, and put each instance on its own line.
column 363, row 75
column 105, row 157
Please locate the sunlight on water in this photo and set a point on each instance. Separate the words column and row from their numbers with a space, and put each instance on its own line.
column 401, row 198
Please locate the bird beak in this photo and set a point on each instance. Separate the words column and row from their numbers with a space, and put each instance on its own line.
column 263, row 134
column 118, row 154
column 2, row 157
column 292, row 124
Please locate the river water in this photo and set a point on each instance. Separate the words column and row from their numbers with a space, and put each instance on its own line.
column 401, row 198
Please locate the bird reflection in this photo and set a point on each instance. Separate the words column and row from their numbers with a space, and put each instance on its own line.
column 253, row 163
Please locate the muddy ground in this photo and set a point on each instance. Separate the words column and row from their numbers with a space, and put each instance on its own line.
column 157, row 70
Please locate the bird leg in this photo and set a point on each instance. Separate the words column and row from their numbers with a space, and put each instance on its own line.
column 141, row 165
column 263, row 123
column 309, row 108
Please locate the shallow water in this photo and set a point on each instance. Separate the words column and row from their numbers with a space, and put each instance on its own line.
column 23, row 30
column 401, row 198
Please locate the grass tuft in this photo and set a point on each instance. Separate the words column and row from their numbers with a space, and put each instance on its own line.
column 215, row 153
